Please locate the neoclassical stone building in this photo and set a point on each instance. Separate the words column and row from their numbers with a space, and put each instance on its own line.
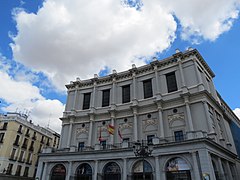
column 170, row 103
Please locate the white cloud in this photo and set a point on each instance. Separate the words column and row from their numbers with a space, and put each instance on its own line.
column 78, row 38
column 67, row 39
column 237, row 112
column 203, row 18
column 23, row 96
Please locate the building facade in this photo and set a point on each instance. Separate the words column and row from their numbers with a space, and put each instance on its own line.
column 20, row 143
column 171, row 103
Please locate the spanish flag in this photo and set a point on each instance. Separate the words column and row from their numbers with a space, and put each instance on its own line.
column 110, row 129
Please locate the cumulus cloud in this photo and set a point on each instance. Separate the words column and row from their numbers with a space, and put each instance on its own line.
column 237, row 112
column 23, row 96
column 67, row 39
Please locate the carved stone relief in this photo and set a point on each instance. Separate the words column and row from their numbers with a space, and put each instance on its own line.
column 176, row 120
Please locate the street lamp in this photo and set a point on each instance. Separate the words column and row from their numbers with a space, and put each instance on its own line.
column 142, row 150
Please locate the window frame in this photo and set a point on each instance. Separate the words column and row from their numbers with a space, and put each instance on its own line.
column 86, row 100
column 126, row 93
column 147, row 88
column 171, row 81
column 105, row 97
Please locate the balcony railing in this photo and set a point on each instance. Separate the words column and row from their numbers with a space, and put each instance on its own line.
column 21, row 160
column 31, row 148
column 24, row 146
column 126, row 145
column 13, row 158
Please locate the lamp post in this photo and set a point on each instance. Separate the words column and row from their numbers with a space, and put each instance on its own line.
column 142, row 150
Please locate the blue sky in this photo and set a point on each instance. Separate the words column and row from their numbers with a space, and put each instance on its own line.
column 46, row 44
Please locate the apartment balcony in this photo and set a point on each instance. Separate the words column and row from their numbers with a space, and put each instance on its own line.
column 27, row 134
column 21, row 160
column 24, row 146
column 15, row 144
column 31, row 148
column 12, row 158
column 34, row 137
column 29, row 162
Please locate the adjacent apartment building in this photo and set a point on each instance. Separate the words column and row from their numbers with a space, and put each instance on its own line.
column 169, row 105
column 20, row 143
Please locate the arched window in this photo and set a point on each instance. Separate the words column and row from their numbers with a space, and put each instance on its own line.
column 141, row 169
column 111, row 171
column 177, row 168
column 58, row 172
column 84, row 172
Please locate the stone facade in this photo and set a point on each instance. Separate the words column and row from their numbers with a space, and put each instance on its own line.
column 171, row 103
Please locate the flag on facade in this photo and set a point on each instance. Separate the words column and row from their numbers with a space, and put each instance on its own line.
column 110, row 129
column 100, row 135
column 119, row 133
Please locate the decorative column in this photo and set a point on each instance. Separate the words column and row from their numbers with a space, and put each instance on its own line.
column 195, row 166
column 113, row 92
column 209, row 121
column 112, row 114
column 189, row 116
column 160, row 120
column 221, row 169
column 93, row 94
column 69, row 170
column 206, row 163
column 70, row 132
column 74, row 100
column 199, row 77
column 157, row 82
column 157, row 168
column 91, row 119
column 124, row 168
column 95, row 170
column 45, row 168
column 134, row 98
column 135, row 124
column 230, row 177
column 40, row 170
column 183, row 82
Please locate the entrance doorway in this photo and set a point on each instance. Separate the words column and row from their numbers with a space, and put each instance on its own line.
column 84, row 172
column 58, row 172
column 178, row 169
column 141, row 169
column 111, row 171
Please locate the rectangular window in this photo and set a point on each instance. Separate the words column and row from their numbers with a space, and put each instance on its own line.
column 31, row 148
column 27, row 133
column 1, row 137
column 4, row 126
column 21, row 156
column 80, row 146
column 13, row 154
column 17, row 140
column 25, row 174
column 29, row 158
column 18, row 171
column 178, row 136
column 104, row 144
column 147, row 88
column 105, row 97
column 34, row 136
column 126, row 94
column 20, row 129
column 150, row 139
column 171, row 82
column 25, row 143
column 86, row 101
column 9, row 169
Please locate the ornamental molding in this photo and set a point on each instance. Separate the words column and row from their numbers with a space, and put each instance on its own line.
column 81, row 130
column 175, row 117
column 125, row 126
column 149, row 122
